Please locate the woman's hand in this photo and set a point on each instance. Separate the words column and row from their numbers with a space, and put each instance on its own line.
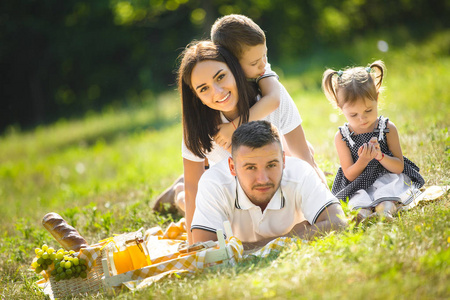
column 223, row 137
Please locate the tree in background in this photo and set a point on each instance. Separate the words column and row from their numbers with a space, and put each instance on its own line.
column 63, row 58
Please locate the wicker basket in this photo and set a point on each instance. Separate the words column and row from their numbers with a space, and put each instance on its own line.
column 78, row 286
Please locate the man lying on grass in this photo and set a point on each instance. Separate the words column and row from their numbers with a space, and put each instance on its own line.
column 263, row 194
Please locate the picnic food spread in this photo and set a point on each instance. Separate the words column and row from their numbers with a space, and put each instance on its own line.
column 61, row 263
column 123, row 260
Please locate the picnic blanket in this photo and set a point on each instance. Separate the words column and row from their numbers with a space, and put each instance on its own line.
column 427, row 195
column 166, row 260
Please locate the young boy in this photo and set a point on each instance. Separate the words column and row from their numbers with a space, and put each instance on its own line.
column 247, row 41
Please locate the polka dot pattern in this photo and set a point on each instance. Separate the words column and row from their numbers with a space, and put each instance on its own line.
column 343, row 188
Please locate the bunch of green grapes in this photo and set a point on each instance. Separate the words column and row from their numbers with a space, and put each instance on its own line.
column 67, row 266
column 61, row 264
column 45, row 257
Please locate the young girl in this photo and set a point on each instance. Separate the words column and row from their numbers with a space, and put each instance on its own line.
column 374, row 175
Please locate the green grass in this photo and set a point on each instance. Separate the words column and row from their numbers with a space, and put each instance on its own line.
column 407, row 259
column 103, row 171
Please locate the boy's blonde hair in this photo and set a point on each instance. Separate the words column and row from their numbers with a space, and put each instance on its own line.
column 235, row 32
column 353, row 84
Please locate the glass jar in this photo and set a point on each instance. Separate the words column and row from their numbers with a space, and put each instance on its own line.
column 119, row 258
column 138, row 252
column 127, row 252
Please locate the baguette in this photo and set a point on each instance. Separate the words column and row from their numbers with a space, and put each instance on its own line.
column 65, row 234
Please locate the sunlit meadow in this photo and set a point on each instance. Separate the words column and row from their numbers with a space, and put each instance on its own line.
column 102, row 172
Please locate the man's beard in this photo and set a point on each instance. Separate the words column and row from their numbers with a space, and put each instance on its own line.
column 268, row 198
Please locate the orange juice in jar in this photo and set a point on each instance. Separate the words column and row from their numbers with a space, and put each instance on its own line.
column 127, row 252
column 119, row 258
column 138, row 253
column 122, row 261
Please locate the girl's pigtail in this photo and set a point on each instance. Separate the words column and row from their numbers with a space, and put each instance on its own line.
column 379, row 74
column 328, row 87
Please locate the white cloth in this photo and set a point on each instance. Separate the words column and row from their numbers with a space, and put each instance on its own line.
column 302, row 196
column 389, row 187
column 286, row 118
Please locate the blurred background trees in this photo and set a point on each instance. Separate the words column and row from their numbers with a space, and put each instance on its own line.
column 61, row 59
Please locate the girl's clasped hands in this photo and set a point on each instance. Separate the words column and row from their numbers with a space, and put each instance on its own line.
column 370, row 150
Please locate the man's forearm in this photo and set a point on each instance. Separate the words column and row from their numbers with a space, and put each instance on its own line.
column 248, row 246
column 331, row 218
column 307, row 231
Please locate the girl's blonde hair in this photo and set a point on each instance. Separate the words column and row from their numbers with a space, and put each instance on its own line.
column 352, row 84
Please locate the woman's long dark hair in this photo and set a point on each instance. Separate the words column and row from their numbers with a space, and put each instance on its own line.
column 200, row 123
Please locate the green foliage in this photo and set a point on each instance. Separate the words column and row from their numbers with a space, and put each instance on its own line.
column 66, row 58
column 103, row 172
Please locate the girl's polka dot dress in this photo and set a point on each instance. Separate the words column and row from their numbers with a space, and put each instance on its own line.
column 343, row 188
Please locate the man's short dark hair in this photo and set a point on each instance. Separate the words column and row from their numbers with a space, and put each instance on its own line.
column 255, row 134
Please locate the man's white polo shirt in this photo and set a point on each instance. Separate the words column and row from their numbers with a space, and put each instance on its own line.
column 301, row 196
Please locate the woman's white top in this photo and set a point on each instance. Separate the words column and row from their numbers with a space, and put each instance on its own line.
column 286, row 118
